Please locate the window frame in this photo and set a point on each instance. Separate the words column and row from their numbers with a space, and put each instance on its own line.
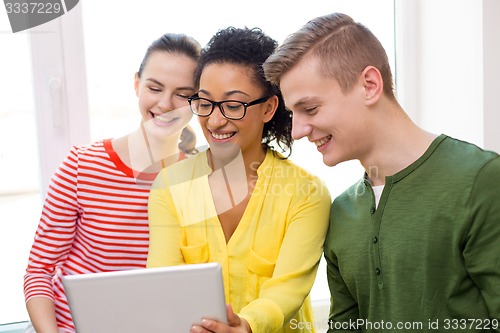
column 60, row 90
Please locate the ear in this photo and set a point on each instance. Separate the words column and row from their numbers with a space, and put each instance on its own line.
column 373, row 84
column 272, row 105
column 136, row 84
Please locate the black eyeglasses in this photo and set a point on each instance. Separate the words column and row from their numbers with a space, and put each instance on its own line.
column 230, row 109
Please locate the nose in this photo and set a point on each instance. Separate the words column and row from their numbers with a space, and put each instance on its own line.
column 300, row 128
column 216, row 119
column 165, row 103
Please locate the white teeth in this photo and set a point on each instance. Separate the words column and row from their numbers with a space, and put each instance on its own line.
column 322, row 141
column 222, row 136
column 163, row 118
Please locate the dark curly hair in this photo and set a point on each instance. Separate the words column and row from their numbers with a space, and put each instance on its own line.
column 251, row 48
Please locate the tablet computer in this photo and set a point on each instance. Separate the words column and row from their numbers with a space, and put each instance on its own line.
column 153, row 300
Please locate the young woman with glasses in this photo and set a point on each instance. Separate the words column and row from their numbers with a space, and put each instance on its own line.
column 95, row 215
column 241, row 202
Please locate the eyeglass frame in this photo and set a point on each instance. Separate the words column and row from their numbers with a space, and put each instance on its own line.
column 218, row 104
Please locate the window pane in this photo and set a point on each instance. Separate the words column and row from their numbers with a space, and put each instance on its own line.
column 20, row 203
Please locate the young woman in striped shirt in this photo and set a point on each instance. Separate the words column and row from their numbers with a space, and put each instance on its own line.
column 95, row 214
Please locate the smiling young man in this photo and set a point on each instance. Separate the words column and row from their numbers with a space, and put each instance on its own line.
column 416, row 239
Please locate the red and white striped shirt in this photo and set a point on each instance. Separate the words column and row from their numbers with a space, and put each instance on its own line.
column 94, row 219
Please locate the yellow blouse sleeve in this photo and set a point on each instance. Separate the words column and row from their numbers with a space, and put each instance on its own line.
column 178, row 198
column 164, row 227
column 284, row 293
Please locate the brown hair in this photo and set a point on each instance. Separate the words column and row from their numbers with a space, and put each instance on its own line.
column 183, row 45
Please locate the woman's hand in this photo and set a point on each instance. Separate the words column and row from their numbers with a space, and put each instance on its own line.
column 235, row 324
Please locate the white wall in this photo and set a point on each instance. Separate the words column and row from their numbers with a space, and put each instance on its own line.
column 449, row 53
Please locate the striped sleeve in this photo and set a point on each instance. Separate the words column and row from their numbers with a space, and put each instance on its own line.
column 56, row 229
column 94, row 219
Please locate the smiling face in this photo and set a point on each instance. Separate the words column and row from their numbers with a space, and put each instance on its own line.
column 163, row 88
column 334, row 121
column 225, row 81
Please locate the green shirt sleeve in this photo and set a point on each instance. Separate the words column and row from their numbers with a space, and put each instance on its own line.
column 344, row 311
column 482, row 248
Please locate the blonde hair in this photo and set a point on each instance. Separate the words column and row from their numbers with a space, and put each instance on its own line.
column 343, row 47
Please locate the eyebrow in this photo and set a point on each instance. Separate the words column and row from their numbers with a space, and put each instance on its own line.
column 228, row 94
column 301, row 102
column 155, row 81
column 162, row 85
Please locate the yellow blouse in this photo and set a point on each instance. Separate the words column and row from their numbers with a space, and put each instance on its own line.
column 270, row 261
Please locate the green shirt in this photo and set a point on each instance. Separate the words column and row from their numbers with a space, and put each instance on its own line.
column 427, row 259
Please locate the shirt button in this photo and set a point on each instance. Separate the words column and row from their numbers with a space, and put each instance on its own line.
column 375, row 239
column 377, row 271
column 372, row 210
